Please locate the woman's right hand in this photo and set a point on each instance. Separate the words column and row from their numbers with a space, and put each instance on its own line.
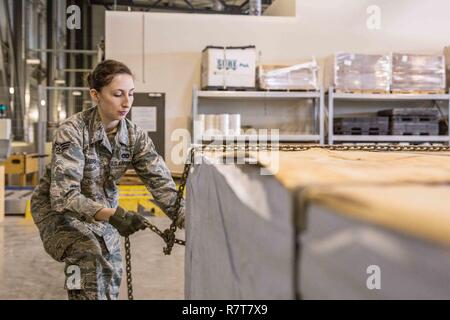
column 126, row 222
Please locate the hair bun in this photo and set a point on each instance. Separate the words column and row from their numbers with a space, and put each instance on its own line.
column 89, row 79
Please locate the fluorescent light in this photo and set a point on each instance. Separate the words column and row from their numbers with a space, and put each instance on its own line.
column 33, row 61
column 34, row 115
column 42, row 102
column 60, row 81
column 11, row 90
column 76, row 93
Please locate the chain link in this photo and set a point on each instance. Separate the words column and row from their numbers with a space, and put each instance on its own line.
column 128, row 268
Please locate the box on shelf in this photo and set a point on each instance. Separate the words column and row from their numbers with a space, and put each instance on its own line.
column 228, row 68
column 418, row 72
column 358, row 72
column 289, row 77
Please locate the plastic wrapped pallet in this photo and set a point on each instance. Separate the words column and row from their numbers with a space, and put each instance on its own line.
column 228, row 68
column 352, row 72
column 418, row 72
column 289, row 77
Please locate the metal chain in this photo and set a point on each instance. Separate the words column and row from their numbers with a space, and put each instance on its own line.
column 128, row 268
column 168, row 235
column 289, row 147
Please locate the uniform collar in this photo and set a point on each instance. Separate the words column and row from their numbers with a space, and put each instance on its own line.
column 98, row 133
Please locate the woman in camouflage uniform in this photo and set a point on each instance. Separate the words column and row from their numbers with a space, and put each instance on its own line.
column 75, row 205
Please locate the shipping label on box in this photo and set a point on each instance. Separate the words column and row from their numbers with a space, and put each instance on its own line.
column 228, row 67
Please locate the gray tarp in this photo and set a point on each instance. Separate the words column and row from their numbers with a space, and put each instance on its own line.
column 225, row 257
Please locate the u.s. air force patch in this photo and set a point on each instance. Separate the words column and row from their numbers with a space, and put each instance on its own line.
column 61, row 147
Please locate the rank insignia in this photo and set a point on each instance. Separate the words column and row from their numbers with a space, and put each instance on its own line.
column 61, row 147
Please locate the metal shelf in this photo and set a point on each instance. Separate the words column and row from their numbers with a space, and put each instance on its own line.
column 258, row 94
column 208, row 96
column 389, row 96
column 332, row 96
column 392, row 138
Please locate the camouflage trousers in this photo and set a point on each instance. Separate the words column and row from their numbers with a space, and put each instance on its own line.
column 93, row 263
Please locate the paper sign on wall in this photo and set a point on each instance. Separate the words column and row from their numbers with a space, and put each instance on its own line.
column 144, row 117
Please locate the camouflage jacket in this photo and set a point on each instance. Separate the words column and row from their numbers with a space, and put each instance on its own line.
column 82, row 176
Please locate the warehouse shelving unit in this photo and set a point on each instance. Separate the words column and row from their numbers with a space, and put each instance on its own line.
column 198, row 107
column 335, row 96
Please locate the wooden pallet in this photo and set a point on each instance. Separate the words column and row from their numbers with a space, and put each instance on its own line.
column 362, row 91
column 418, row 91
column 287, row 90
column 219, row 88
column 366, row 91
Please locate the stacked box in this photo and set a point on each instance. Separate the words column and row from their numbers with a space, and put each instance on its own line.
column 352, row 72
column 228, row 68
column 289, row 77
column 412, row 121
column 418, row 72
column 373, row 126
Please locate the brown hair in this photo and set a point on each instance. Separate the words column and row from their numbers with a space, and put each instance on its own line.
column 104, row 73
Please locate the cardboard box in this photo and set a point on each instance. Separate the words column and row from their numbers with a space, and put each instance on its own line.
column 22, row 163
column 289, row 77
column 228, row 67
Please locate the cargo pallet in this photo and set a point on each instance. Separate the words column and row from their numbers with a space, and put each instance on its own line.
column 372, row 126
column 412, row 121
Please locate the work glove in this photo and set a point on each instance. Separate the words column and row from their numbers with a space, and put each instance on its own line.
column 126, row 222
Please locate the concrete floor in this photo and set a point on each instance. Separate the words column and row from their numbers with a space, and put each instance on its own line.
column 27, row 272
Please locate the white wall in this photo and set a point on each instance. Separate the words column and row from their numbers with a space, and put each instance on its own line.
column 173, row 42
column 281, row 8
